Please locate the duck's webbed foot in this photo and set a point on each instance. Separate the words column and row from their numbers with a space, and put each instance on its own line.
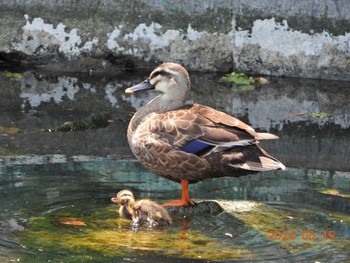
column 185, row 199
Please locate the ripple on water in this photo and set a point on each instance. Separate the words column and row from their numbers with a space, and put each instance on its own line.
column 232, row 235
column 246, row 230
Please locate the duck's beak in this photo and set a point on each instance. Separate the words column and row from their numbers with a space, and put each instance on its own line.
column 144, row 85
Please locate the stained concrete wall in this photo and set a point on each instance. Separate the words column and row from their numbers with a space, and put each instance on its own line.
column 274, row 37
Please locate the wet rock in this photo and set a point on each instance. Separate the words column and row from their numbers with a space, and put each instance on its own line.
column 203, row 207
column 94, row 121
column 238, row 205
column 10, row 225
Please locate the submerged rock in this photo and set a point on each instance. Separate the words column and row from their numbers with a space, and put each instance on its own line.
column 94, row 121
column 203, row 207
column 214, row 207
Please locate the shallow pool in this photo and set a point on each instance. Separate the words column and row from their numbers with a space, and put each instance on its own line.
column 48, row 176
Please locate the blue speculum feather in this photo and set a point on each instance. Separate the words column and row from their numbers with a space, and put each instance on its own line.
column 196, row 147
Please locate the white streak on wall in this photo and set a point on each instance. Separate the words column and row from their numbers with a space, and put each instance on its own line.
column 89, row 45
column 41, row 38
column 194, row 34
column 112, row 43
column 278, row 37
column 151, row 36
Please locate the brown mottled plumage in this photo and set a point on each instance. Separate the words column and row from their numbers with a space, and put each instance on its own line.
column 164, row 132
column 142, row 211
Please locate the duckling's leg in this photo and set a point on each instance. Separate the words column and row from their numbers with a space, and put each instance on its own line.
column 185, row 200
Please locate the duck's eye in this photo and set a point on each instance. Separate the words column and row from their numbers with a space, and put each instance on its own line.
column 159, row 72
column 163, row 72
column 155, row 74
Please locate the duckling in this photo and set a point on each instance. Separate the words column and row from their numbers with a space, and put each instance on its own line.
column 141, row 212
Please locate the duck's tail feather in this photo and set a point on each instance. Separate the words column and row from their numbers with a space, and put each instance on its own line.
column 252, row 158
column 266, row 136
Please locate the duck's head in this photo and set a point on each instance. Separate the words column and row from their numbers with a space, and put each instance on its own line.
column 169, row 78
column 124, row 198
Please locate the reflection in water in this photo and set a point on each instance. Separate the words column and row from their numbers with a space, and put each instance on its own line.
column 47, row 177
column 36, row 92
column 271, row 106
column 287, row 107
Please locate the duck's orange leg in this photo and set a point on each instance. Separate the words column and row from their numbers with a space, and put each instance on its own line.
column 185, row 199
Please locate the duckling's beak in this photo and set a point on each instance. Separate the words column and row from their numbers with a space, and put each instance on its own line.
column 116, row 200
column 144, row 85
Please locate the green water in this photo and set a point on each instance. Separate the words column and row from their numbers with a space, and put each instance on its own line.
column 266, row 216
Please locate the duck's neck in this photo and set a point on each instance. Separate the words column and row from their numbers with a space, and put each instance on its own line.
column 159, row 104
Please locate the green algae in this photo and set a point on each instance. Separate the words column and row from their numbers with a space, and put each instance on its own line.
column 237, row 78
column 297, row 230
column 319, row 115
column 14, row 75
column 9, row 130
column 107, row 236
column 242, row 81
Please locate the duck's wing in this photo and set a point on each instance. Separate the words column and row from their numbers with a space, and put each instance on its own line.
column 203, row 131
column 197, row 126
column 224, row 124
column 227, row 132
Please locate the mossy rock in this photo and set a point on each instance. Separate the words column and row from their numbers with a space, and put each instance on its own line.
column 203, row 207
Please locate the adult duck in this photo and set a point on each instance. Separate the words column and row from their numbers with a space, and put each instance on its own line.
column 188, row 143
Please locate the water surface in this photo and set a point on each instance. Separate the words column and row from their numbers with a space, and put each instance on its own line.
column 297, row 215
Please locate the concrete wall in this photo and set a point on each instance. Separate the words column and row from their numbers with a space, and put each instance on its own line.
column 275, row 37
